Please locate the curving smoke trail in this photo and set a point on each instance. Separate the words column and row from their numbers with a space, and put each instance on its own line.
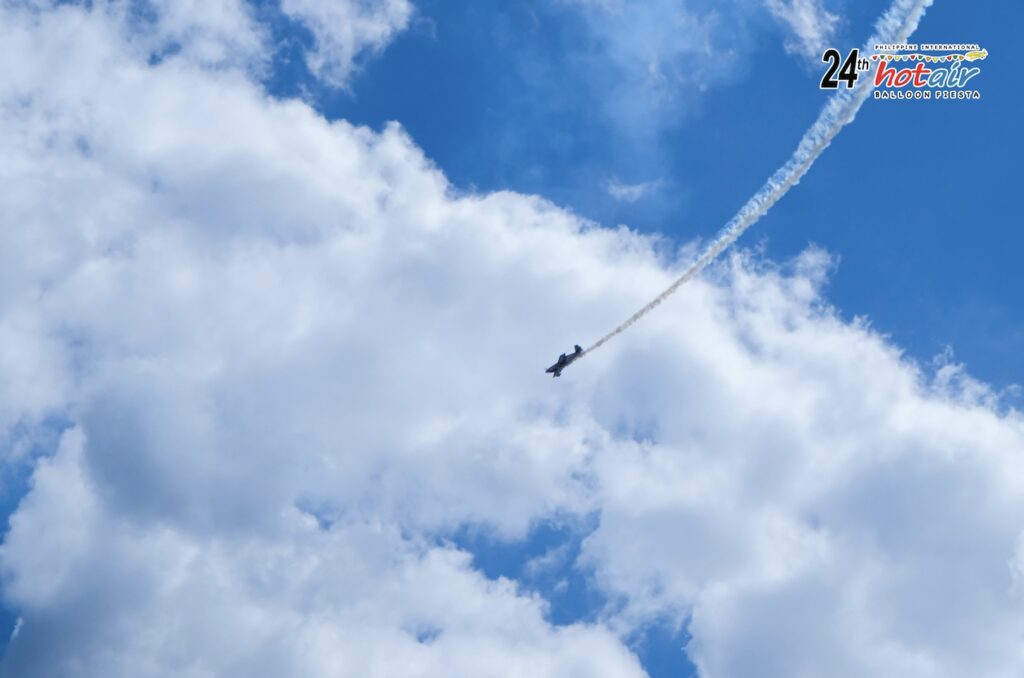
column 895, row 26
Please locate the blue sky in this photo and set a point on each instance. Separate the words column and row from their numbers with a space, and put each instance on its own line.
column 267, row 375
column 511, row 96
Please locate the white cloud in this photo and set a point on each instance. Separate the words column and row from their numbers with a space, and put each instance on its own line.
column 812, row 25
column 647, row 66
column 812, row 503
column 631, row 192
column 212, row 33
column 648, row 61
column 345, row 30
column 215, row 32
column 115, row 595
column 251, row 315
column 216, row 299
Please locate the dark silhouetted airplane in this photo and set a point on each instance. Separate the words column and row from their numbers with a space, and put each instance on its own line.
column 564, row 361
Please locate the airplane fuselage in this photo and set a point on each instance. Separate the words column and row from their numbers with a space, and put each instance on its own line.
column 564, row 361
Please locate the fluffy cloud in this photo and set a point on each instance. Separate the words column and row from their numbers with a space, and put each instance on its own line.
column 117, row 594
column 213, row 32
column 274, row 401
column 345, row 30
column 293, row 360
column 812, row 503
column 812, row 25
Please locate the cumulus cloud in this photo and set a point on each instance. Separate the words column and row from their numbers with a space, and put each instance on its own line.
column 109, row 594
column 812, row 504
column 292, row 360
column 346, row 30
column 217, row 480
column 212, row 33
column 811, row 24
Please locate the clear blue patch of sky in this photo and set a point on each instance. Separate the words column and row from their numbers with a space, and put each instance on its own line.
column 28, row 445
column 546, row 563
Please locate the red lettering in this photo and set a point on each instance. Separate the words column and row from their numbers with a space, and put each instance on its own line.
column 888, row 76
column 920, row 74
column 884, row 73
column 903, row 77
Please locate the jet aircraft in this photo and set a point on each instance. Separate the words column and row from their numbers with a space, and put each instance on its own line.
column 564, row 361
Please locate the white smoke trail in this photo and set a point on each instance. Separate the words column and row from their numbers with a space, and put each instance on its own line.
column 895, row 26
